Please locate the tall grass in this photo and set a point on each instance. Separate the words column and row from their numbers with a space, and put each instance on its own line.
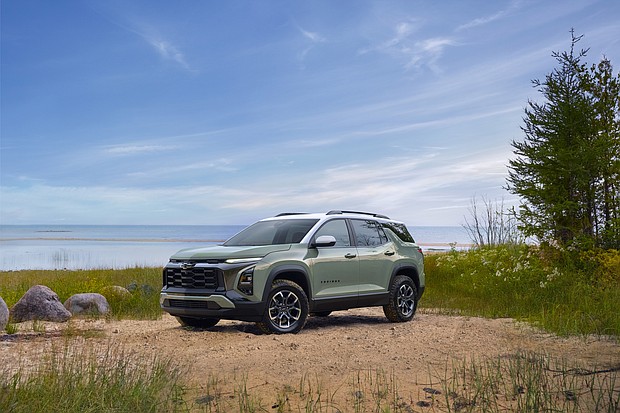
column 578, row 295
column 143, row 303
column 529, row 383
column 76, row 379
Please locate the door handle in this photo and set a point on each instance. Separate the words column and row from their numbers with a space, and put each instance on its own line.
column 349, row 255
column 389, row 253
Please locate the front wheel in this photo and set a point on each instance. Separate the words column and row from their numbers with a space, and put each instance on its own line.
column 403, row 300
column 287, row 308
column 198, row 322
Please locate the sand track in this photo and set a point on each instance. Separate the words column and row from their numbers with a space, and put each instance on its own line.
column 330, row 351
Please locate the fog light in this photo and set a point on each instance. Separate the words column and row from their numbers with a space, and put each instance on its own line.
column 246, row 281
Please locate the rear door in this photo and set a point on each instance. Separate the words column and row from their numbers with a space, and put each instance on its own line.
column 376, row 257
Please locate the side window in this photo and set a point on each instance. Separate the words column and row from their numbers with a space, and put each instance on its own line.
column 337, row 228
column 400, row 230
column 368, row 233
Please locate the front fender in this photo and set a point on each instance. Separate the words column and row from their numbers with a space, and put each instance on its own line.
column 293, row 272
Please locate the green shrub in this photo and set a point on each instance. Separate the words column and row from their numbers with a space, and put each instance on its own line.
column 562, row 291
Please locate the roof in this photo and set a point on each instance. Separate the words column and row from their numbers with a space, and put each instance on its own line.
column 319, row 215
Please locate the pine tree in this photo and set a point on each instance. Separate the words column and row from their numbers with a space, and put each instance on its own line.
column 604, row 90
column 566, row 168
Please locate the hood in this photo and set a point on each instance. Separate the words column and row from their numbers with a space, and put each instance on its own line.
column 223, row 252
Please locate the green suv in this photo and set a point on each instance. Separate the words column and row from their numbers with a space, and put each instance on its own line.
column 279, row 270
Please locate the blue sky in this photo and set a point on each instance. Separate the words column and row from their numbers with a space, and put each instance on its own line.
column 223, row 112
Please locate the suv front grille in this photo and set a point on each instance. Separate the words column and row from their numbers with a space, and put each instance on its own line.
column 196, row 278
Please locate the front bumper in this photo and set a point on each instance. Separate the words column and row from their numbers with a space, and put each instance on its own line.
column 227, row 306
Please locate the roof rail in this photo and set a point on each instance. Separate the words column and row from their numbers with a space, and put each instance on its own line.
column 283, row 214
column 338, row 212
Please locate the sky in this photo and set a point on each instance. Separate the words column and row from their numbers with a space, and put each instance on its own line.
column 224, row 112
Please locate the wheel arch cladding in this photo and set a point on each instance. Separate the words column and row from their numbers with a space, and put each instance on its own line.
column 410, row 272
column 290, row 273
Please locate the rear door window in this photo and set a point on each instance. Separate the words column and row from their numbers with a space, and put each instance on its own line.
column 368, row 233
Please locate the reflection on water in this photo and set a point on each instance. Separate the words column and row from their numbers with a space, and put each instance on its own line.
column 48, row 255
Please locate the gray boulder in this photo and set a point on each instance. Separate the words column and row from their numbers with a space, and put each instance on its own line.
column 88, row 303
column 4, row 314
column 39, row 303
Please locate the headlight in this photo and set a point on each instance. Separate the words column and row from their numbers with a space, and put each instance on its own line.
column 246, row 281
column 241, row 260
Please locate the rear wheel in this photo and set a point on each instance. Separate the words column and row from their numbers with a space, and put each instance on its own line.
column 287, row 308
column 198, row 322
column 403, row 300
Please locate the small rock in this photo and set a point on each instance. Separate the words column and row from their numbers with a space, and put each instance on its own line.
column 205, row 399
column 39, row 303
column 570, row 395
column 422, row 403
column 430, row 390
column 88, row 303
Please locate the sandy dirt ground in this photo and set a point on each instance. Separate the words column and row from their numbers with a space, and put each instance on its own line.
column 331, row 353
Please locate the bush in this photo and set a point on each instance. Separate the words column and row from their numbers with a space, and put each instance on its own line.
column 547, row 286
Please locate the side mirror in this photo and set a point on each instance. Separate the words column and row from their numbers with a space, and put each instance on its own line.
column 324, row 241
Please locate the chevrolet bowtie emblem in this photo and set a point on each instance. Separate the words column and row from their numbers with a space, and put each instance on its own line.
column 187, row 265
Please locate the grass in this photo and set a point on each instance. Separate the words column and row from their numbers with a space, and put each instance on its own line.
column 77, row 379
column 563, row 292
column 529, row 383
column 143, row 303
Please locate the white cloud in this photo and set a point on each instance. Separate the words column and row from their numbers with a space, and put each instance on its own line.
column 416, row 53
column 136, row 149
column 314, row 38
column 404, row 186
column 166, row 49
column 147, row 31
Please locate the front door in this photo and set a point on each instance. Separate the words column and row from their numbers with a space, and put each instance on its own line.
column 335, row 270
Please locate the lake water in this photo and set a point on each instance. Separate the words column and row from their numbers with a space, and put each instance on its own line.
column 124, row 246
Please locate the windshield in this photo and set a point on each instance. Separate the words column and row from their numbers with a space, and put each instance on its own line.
column 283, row 231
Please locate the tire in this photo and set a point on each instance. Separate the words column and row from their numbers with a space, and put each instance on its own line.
column 198, row 322
column 287, row 308
column 403, row 300
column 322, row 313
